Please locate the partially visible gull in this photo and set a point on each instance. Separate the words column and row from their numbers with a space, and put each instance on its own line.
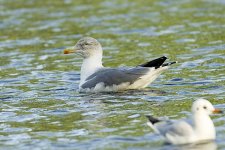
column 197, row 129
column 96, row 78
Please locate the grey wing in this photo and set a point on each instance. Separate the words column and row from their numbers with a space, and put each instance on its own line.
column 178, row 128
column 115, row 76
column 163, row 126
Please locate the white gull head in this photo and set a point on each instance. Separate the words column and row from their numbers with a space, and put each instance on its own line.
column 91, row 51
column 202, row 106
column 86, row 47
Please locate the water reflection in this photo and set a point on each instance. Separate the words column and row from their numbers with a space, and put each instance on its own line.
column 203, row 146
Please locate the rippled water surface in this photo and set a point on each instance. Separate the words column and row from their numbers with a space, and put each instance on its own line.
column 40, row 107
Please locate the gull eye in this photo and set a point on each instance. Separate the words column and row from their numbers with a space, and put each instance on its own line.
column 205, row 107
column 88, row 43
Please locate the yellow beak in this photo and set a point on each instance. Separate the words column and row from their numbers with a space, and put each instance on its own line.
column 217, row 111
column 69, row 50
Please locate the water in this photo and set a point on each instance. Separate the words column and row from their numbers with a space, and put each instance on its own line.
column 40, row 107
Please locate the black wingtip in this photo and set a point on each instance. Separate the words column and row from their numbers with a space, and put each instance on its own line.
column 155, row 63
column 152, row 119
column 169, row 63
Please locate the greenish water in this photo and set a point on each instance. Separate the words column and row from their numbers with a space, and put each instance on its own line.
column 40, row 107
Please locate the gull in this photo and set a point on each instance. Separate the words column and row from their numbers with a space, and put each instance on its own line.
column 94, row 77
column 199, row 128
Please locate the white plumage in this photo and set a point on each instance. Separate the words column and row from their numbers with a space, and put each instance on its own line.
column 198, row 128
